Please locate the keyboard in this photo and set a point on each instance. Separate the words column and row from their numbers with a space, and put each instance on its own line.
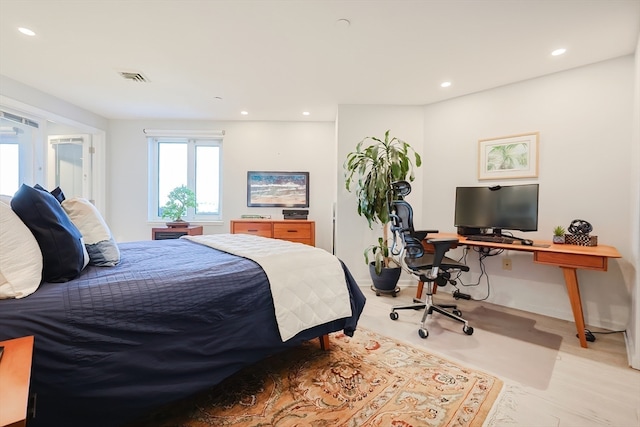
column 491, row 239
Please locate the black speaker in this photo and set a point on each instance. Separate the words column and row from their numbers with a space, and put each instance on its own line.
column 295, row 213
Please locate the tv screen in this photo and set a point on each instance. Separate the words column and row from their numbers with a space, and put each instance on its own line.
column 278, row 189
column 500, row 208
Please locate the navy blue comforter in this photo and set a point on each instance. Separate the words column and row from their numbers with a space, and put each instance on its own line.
column 171, row 319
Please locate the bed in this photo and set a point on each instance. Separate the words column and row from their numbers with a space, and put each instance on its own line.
column 173, row 317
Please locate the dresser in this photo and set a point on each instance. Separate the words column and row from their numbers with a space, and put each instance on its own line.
column 293, row 230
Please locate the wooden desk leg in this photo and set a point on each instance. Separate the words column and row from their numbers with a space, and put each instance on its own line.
column 571, row 279
column 420, row 288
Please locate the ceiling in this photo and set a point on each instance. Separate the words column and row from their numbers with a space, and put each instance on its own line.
column 211, row 59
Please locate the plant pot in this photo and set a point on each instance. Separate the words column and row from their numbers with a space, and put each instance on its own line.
column 177, row 224
column 558, row 239
column 387, row 279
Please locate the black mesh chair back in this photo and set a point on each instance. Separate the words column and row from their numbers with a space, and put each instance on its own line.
column 432, row 269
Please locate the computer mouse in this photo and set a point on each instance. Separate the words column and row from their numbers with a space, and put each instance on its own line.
column 527, row 242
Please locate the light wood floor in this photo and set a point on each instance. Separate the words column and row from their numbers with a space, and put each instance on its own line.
column 549, row 379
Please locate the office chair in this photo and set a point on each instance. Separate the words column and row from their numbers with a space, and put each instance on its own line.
column 432, row 269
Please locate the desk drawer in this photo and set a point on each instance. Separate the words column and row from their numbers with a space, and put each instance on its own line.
column 256, row 228
column 590, row 262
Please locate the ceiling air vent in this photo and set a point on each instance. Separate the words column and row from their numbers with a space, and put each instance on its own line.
column 136, row 77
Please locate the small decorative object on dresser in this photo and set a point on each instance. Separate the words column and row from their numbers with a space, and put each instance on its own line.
column 558, row 234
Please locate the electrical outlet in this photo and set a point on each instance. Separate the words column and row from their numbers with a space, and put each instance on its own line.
column 506, row 263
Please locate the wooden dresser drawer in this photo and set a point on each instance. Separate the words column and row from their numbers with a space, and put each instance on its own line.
column 301, row 231
column 291, row 231
column 256, row 228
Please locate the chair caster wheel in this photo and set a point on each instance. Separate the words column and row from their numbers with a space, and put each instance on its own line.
column 467, row 330
column 423, row 333
column 393, row 315
column 457, row 313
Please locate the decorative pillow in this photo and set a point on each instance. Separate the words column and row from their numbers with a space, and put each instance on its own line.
column 20, row 256
column 103, row 249
column 60, row 242
column 56, row 192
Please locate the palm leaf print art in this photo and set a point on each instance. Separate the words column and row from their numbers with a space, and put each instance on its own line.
column 508, row 157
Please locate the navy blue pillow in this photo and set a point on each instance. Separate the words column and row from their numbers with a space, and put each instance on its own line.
column 59, row 240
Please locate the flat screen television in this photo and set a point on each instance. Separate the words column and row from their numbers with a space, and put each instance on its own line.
column 500, row 207
column 278, row 189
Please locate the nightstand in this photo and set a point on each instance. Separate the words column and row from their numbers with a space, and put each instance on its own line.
column 164, row 233
column 15, row 376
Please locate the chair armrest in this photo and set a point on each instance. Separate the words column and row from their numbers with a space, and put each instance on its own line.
column 422, row 234
column 441, row 246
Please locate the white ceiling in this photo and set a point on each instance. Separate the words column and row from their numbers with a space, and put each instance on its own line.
column 276, row 59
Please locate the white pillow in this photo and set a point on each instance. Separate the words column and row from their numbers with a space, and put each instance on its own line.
column 20, row 256
column 103, row 249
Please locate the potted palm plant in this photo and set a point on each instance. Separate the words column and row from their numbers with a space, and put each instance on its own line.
column 369, row 171
column 180, row 199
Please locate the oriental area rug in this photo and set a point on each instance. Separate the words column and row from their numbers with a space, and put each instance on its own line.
column 364, row 380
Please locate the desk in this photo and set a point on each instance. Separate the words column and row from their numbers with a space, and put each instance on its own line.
column 569, row 258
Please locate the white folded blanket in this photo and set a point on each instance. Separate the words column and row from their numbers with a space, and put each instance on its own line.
column 308, row 285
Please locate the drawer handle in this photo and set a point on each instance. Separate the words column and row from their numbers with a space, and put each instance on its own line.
column 292, row 231
column 252, row 231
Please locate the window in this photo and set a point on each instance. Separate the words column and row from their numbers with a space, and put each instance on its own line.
column 190, row 159
column 18, row 151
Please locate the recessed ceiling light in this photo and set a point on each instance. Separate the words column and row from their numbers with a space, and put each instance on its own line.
column 26, row 31
column 445, row 84
column 244, row 113
column 559, row 52
column 305, row 113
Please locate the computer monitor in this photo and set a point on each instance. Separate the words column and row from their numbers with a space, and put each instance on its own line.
column 498, row 208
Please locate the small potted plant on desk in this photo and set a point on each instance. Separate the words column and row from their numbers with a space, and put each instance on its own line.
column 371, row 169
column 180, row 198
column 558, row 234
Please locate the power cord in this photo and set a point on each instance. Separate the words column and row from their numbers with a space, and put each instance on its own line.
column 483, row 253
column 590, row 335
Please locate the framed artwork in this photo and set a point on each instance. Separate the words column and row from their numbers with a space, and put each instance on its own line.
column 278, row 189
column 508, row 157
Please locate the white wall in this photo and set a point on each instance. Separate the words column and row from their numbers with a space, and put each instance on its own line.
column 584, row 120
column 286, row 146
column 633, row 329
